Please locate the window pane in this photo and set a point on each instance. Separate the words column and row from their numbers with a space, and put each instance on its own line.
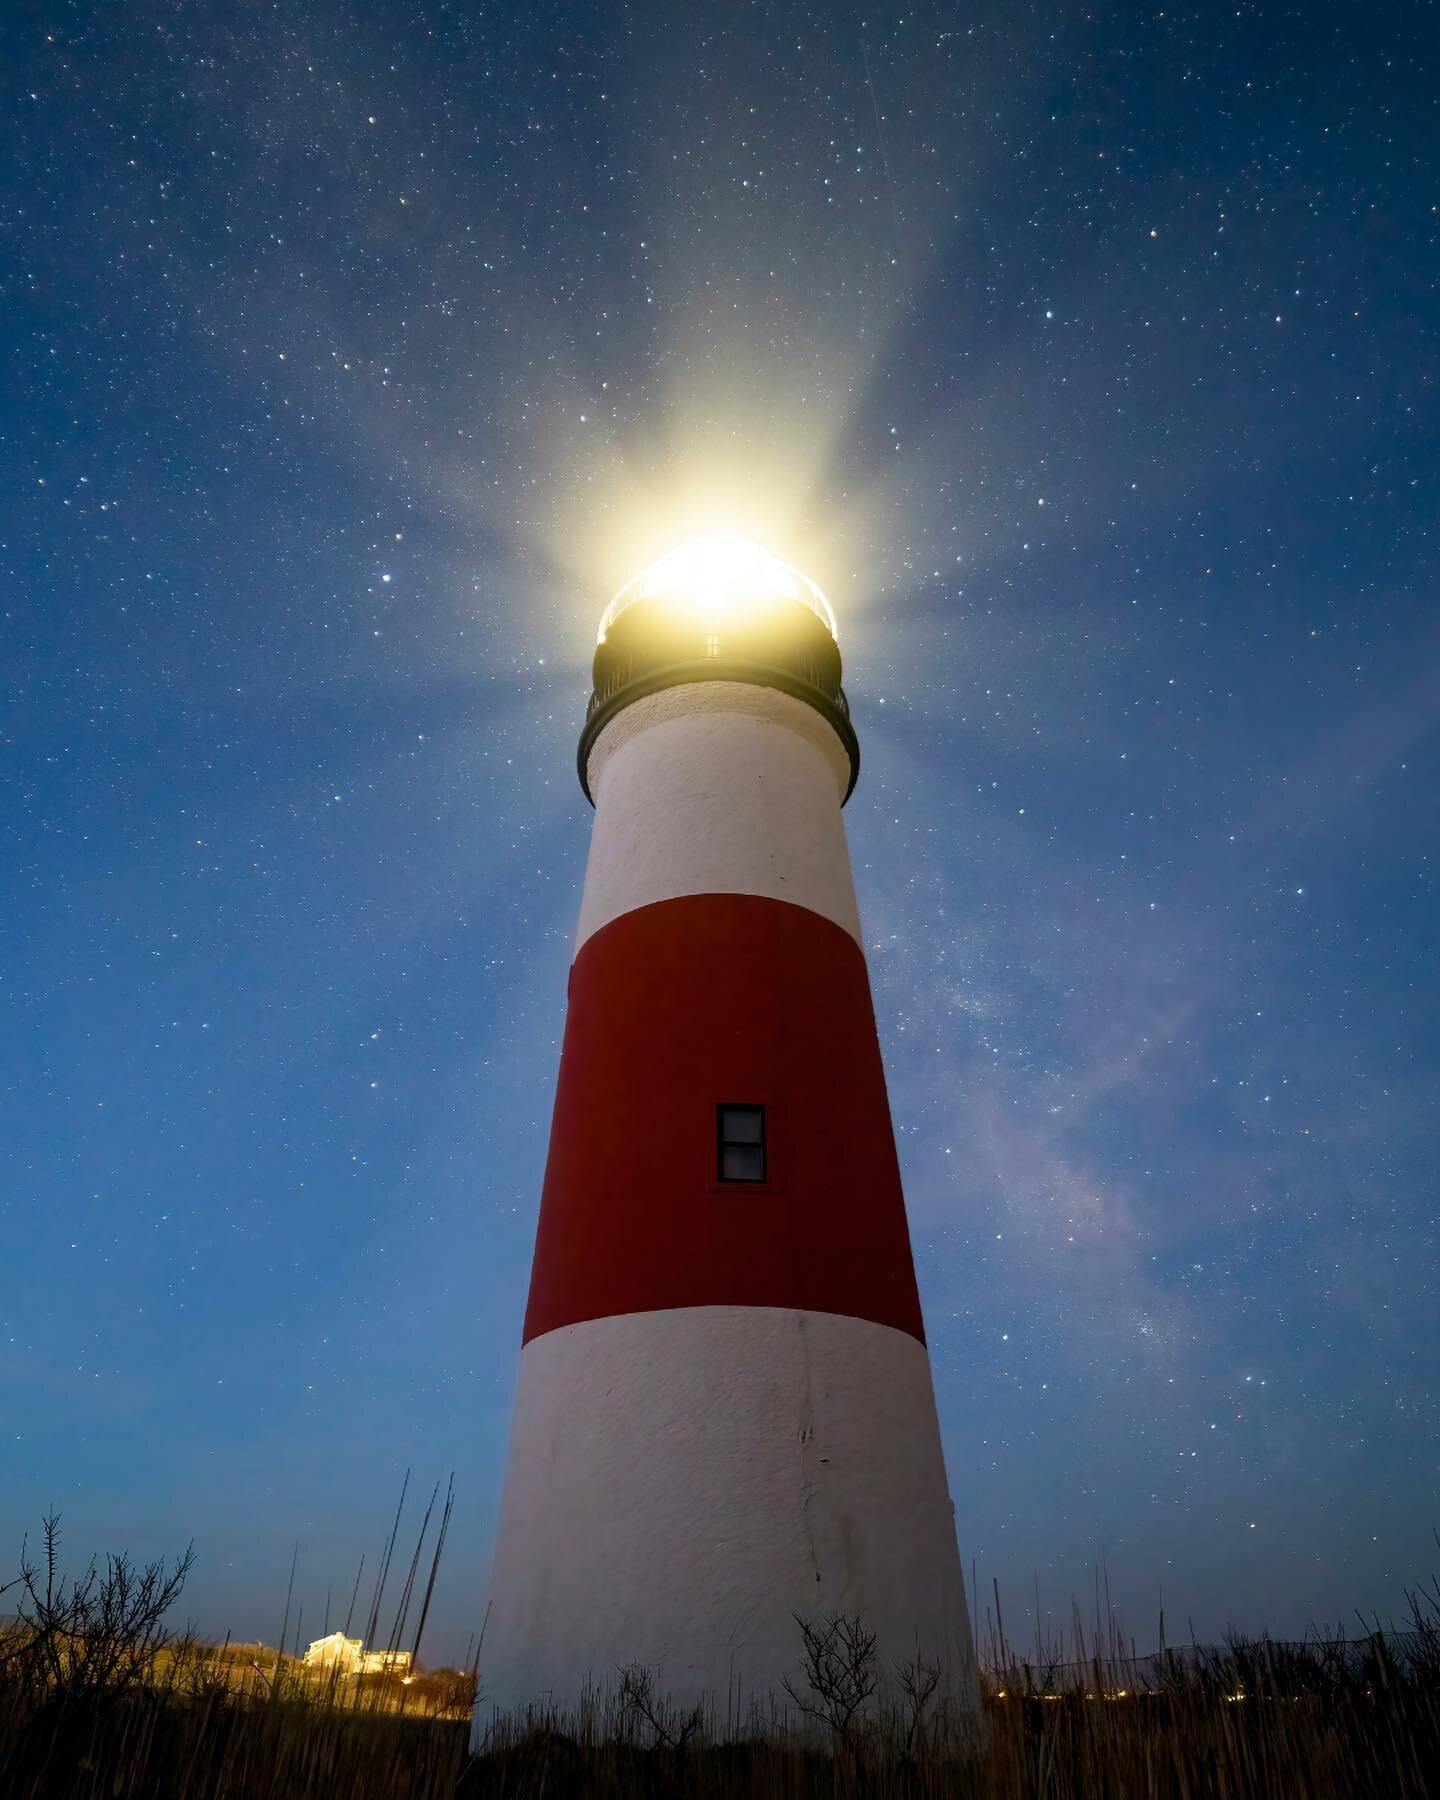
column 742, row 1162
column 742, row 1124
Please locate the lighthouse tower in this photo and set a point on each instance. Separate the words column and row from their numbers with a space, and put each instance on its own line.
column 725, row 1415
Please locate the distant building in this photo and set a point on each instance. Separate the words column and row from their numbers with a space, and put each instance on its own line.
column 349, row 1656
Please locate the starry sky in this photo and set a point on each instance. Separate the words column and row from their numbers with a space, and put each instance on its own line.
column 1087, row 355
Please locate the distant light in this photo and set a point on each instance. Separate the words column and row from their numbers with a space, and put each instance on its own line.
column 714, row 576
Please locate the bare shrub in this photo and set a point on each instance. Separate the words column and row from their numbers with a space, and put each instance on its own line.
column 89, row 1641
column 917, row 1681
column 840, row 1675
column 670, row 1728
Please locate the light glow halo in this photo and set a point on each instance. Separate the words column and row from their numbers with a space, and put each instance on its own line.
column 713, row 575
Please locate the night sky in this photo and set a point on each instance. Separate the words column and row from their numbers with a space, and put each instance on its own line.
column 353, row 354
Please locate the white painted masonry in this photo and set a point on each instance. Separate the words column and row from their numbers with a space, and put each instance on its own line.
column 718, row 787
column 681, row 1483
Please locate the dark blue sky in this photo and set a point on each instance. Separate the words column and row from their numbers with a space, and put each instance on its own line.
column 353, row 354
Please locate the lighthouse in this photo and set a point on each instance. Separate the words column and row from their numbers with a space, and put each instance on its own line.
column 724, row 1418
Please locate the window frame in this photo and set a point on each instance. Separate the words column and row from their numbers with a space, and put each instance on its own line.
column 763, row 1179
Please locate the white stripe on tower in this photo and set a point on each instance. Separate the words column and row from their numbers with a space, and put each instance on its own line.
column 689, row 1480
column 718, row 787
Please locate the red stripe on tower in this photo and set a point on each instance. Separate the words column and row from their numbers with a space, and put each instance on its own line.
column 725, row 1414
column 675, row 1009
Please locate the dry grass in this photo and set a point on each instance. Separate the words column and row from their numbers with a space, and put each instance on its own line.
column 1331, row 1719
column 97, row 1698
column 1336, row 1717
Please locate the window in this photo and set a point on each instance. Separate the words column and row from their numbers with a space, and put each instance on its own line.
column 741, row 1136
